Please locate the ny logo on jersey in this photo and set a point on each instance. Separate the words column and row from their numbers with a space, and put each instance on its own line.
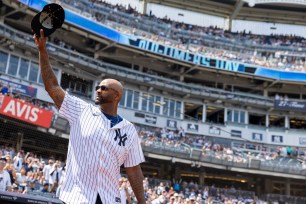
column 122, row 138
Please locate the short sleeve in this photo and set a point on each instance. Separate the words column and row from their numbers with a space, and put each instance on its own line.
column 135, row 154
column 72, row 107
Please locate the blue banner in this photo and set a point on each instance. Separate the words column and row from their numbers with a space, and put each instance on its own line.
column 286, row 105
column 280, row 75
column 79, row 21
column 183, row 55
column 23, row 89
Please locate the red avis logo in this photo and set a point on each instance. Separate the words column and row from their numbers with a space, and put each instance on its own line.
column 22, row 110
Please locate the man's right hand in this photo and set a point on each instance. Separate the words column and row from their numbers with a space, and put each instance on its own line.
column 50, row 81
column 40, row 41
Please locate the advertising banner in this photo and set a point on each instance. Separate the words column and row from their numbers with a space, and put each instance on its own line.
column 290, row 105
column 23, row 89
column 24, row 111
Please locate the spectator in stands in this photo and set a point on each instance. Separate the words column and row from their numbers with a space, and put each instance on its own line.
column 172, row 200
column 18, row 160
column 35, row 164
column 62, row 178
column 31, row 186
column 9, row 167
column 45, row 188
column 5, row 90
column 21, row 176
column 28, row 162
column 277, row 97
column 124, row 191
column 289, row 151
column 47, row 171
column 176, row 186
column 5, row 180
column 17, row 95
column 55, row 175
column 8, row 150
column 160, row 188
column 162, row 199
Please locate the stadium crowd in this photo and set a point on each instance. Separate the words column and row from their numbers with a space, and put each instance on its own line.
column 33, row 175
column 178, row 139
column 276, row 51
column 30, row 174
column 181, row 141
column 220, row 149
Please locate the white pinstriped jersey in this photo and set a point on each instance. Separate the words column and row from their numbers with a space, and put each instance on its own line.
column 95, row 153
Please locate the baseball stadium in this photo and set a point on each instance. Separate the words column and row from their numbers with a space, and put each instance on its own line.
column 214, row 89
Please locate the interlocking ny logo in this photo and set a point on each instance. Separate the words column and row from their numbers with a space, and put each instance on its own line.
column 122, row 138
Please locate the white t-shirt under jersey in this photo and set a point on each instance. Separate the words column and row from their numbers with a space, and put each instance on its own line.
column 95, row 153
column 5, row 180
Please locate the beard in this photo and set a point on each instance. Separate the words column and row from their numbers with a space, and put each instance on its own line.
column 98, row 101
column 102, row 100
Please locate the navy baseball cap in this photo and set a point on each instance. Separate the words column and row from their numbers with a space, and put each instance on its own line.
column 49, row 19
column 3, row 159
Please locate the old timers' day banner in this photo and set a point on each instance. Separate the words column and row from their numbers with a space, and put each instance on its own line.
column 24, row 111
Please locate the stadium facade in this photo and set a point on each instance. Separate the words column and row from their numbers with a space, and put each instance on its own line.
column 226, row 101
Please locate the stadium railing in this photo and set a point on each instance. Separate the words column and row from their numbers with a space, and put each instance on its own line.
column 272, row 198
column 13, row 197
column 237, row 159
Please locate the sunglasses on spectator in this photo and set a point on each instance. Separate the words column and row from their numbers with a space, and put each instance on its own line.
column 105, row 88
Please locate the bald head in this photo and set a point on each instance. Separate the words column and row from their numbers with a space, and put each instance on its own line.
column 114, row 84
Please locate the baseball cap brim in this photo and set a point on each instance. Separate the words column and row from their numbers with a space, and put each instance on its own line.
column 49, row 19
column 3, row 159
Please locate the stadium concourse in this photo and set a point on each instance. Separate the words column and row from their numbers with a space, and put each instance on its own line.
column 220, row 113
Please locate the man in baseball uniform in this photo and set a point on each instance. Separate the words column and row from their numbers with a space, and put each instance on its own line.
column 100, row 141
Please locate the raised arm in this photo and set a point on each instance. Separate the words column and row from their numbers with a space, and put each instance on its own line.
column 50, row 81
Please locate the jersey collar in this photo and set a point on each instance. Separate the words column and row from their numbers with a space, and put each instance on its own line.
column 97, row 112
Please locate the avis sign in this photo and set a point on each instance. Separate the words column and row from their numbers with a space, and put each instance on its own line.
column 25, row 112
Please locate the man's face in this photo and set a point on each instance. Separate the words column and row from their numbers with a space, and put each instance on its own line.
column 50, row 162
column 105, row 93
